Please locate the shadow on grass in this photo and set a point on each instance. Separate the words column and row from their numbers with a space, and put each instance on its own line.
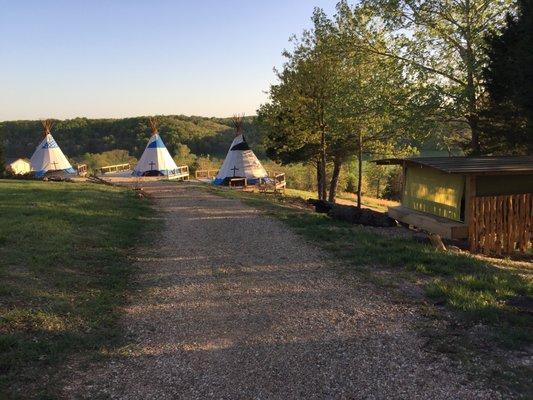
column 64, row 270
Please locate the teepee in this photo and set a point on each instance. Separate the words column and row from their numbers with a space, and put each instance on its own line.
column 48, row 156
column 156, row 159
column 240, row 161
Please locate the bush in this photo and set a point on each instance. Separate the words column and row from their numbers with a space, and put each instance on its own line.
column 205, row 163
column 393, row 186
column 2, row 157
column 112, row 157
column 185, row 157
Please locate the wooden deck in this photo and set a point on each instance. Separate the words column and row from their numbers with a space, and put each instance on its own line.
column 444, row 227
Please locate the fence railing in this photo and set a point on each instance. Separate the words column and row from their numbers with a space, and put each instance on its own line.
column 114, row 168
column 205, row 173
column 501, row 224
column 182, row 172
column 81, row 169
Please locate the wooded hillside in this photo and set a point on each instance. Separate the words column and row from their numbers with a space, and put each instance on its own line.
column 81, row 135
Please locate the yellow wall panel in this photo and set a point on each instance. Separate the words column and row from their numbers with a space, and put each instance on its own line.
column 434, row 192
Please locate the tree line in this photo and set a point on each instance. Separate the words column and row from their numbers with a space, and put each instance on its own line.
column 82, row 136
column 384, row 74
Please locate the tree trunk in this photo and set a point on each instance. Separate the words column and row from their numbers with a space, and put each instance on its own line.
column 324, row 193
column 470, row 61
column 319, row 181
column 360, row 166
column 475, row 147
column 334, row 180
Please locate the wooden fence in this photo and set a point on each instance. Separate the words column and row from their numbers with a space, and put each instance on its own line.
column 82, row 169
column 182, row 172
column 501, row 224
column 206, row 173
column 114, row 168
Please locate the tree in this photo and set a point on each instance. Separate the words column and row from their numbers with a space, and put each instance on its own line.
column 380, row 107
column 441, row 42
column 507, row 122
column 2, row 155
column 298, row 118
column 336, row 99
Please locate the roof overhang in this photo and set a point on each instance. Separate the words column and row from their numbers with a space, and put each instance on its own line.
column 487, row 165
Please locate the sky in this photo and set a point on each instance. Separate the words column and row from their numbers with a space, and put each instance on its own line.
column 119, row 58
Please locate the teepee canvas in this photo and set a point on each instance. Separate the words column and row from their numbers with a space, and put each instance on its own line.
column 156, row 159
column 48, row 156
column 240, row 161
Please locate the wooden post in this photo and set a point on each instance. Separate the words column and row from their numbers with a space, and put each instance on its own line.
column 471, row 219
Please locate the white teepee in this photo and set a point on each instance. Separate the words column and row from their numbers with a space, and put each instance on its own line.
column 156, row 159
column 240, row 161
column 48, row 156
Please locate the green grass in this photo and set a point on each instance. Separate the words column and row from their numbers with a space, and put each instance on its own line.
column 63, row 272
column 474, row 290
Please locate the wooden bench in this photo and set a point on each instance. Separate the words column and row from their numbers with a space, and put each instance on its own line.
column 275, row 184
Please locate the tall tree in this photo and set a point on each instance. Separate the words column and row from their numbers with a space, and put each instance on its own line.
column 441, row 41
column 301, row 109
column 336, row 99
column 379, row 106
column 507, row 121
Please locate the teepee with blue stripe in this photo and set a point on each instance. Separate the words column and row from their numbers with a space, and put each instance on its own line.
column 48, row 157
column 156, row 159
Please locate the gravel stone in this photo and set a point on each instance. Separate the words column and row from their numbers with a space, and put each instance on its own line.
column 233, row 305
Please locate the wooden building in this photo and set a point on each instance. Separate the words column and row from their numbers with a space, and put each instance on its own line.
column 487, row 200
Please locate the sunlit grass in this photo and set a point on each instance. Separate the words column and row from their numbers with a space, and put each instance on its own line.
column 378, row 204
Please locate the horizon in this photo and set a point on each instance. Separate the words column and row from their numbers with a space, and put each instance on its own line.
column 128, row 117
column 123, row 60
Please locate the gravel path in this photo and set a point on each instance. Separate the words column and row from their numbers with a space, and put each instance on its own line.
column 233, row 305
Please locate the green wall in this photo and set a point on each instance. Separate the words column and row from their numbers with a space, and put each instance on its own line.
column 493, row 185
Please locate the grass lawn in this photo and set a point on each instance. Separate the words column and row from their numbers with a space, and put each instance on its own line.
column 63, row 272
column 482, row 298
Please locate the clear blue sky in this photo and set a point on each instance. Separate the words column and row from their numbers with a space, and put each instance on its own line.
column 118, row 58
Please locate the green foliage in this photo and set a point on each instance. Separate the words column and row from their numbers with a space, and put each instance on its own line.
column 441, row 45
column 81, row 135
column 64, row 270
column 207, row 163
column 111, row 157
column 2, row 155
column 336, row 99
column 185, row 157
column 508, row 118
column 393, row 184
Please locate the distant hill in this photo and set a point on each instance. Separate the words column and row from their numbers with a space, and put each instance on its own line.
column 82, row 135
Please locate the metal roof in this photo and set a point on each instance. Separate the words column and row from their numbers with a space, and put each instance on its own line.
column 469, row 165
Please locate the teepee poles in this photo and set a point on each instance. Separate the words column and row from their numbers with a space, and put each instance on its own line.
column 237, row 123
column 47, row 126
column 153, row 125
